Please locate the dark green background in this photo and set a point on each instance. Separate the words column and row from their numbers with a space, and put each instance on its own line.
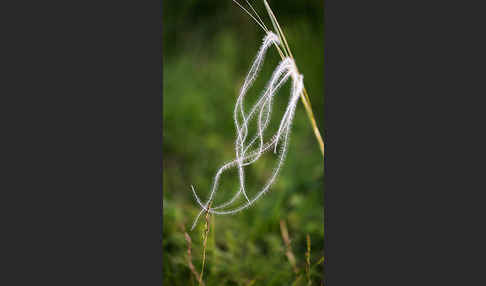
column 208, row 47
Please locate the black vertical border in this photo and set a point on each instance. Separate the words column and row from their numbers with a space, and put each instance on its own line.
column 397, row 73
column 161, row 137
column 83, row 85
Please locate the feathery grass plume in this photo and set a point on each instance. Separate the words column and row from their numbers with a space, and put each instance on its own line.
column 285, row 70
column 286, row 53
column 244, row 153
column 242, row 129
column 304, row 96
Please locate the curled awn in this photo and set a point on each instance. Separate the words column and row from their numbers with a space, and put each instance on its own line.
column 248, row 151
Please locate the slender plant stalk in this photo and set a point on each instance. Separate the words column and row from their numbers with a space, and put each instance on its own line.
column 205, row 237
column 288, row 248
column 319, row 261
column 307, row 259
column 307, row 105
column 297, row 280
column 189, row 259
column 304, row 96
column 212, row 239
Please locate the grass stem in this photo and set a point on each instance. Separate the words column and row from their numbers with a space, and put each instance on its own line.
column 304, row 96
column 189, row 259
column 288, row 249
column 307, row 259
column 205, row 239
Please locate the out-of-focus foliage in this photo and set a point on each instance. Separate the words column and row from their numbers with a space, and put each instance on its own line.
column 208, row 47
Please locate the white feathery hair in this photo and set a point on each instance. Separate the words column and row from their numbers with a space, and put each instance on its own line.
column 245, row 152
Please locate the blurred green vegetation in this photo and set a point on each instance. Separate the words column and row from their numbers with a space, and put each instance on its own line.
column 208, row 47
